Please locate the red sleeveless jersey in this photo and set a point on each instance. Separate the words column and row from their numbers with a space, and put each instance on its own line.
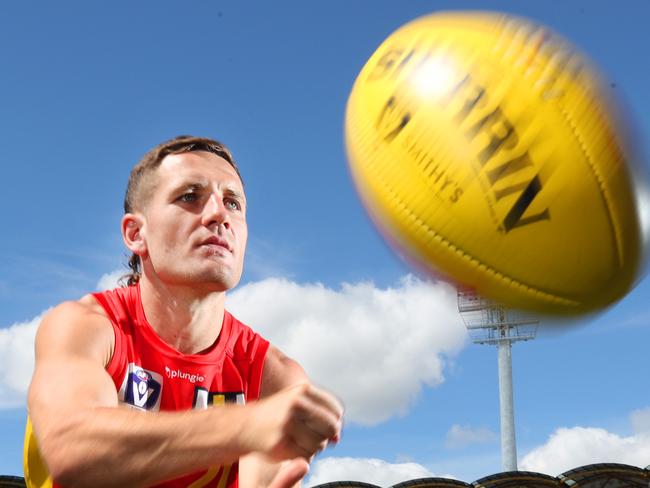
column 151, row 375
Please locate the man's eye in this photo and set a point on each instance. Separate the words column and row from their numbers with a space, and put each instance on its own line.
column 188, row 197
column 232, row 204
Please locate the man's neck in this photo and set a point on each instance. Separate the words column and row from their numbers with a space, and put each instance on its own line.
column 188, row 321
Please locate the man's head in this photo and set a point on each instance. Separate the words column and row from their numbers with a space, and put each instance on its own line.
column 181, row 192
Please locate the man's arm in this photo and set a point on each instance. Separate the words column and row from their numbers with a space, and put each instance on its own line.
column 257, row 470
column 86, row 440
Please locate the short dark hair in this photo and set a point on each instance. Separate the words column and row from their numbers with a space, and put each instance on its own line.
column 141, row 183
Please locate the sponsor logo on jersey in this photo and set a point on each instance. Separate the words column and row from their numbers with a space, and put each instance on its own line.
column 141, row 388
column 177, row 373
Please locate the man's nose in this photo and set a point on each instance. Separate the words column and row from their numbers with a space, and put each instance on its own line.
column 215, row 212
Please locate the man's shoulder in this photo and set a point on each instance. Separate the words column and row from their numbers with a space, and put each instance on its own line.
column 76, row 325
column 84, row 308
column 90, row 305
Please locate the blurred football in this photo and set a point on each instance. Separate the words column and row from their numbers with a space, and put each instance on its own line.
column 488, row 150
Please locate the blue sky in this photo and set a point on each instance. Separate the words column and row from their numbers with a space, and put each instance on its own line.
column 88, row 88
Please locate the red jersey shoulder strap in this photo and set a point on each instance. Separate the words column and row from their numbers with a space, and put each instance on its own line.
column 119, row 305
column 248, row 349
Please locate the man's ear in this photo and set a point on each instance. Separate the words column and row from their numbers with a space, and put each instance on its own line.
column 133, row 233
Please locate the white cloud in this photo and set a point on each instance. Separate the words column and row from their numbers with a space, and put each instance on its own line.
column 568, row 448
column 111, row 280
column 640, row 420
column 460, row 436
column 375, row 471
column 16, row 361
column 375, row 348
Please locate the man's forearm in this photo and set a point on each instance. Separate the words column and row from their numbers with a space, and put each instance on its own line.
column 114, row 446
column 122, row 447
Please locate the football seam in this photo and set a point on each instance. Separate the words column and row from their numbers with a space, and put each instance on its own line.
column 570, row 121
column 509, row 281
column 601, row 184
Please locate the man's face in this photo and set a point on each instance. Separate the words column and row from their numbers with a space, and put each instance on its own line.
column 195, row 222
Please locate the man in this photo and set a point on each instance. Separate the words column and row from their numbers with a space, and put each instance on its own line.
column 126, row 382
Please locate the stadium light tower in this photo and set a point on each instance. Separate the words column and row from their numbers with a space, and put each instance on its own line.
column 491, row 323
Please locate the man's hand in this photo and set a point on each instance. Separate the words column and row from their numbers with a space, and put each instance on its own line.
column 291, row 422
column 290, row 473
column 296, row 422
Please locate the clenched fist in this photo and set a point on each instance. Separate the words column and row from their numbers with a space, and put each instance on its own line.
column 297, row 422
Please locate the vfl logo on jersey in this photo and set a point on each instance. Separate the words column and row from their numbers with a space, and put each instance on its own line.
column 141, row 388
column 204, row 398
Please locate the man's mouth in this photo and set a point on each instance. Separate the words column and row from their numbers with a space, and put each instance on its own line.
column 218, row 242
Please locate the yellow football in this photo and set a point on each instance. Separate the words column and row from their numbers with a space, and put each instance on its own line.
column 487, row 149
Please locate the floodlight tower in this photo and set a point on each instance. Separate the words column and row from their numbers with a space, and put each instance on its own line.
column 491, row 323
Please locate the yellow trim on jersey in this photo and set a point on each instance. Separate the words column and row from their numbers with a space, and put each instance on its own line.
column 210, row 476
column 36, row 474
column 224, row 477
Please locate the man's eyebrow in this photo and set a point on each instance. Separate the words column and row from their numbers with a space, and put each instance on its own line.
column 232, row 192
column 188, row 186
column 193, row 185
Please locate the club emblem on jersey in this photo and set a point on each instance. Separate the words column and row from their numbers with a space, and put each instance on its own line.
column 141, row 388
column 204, row 398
